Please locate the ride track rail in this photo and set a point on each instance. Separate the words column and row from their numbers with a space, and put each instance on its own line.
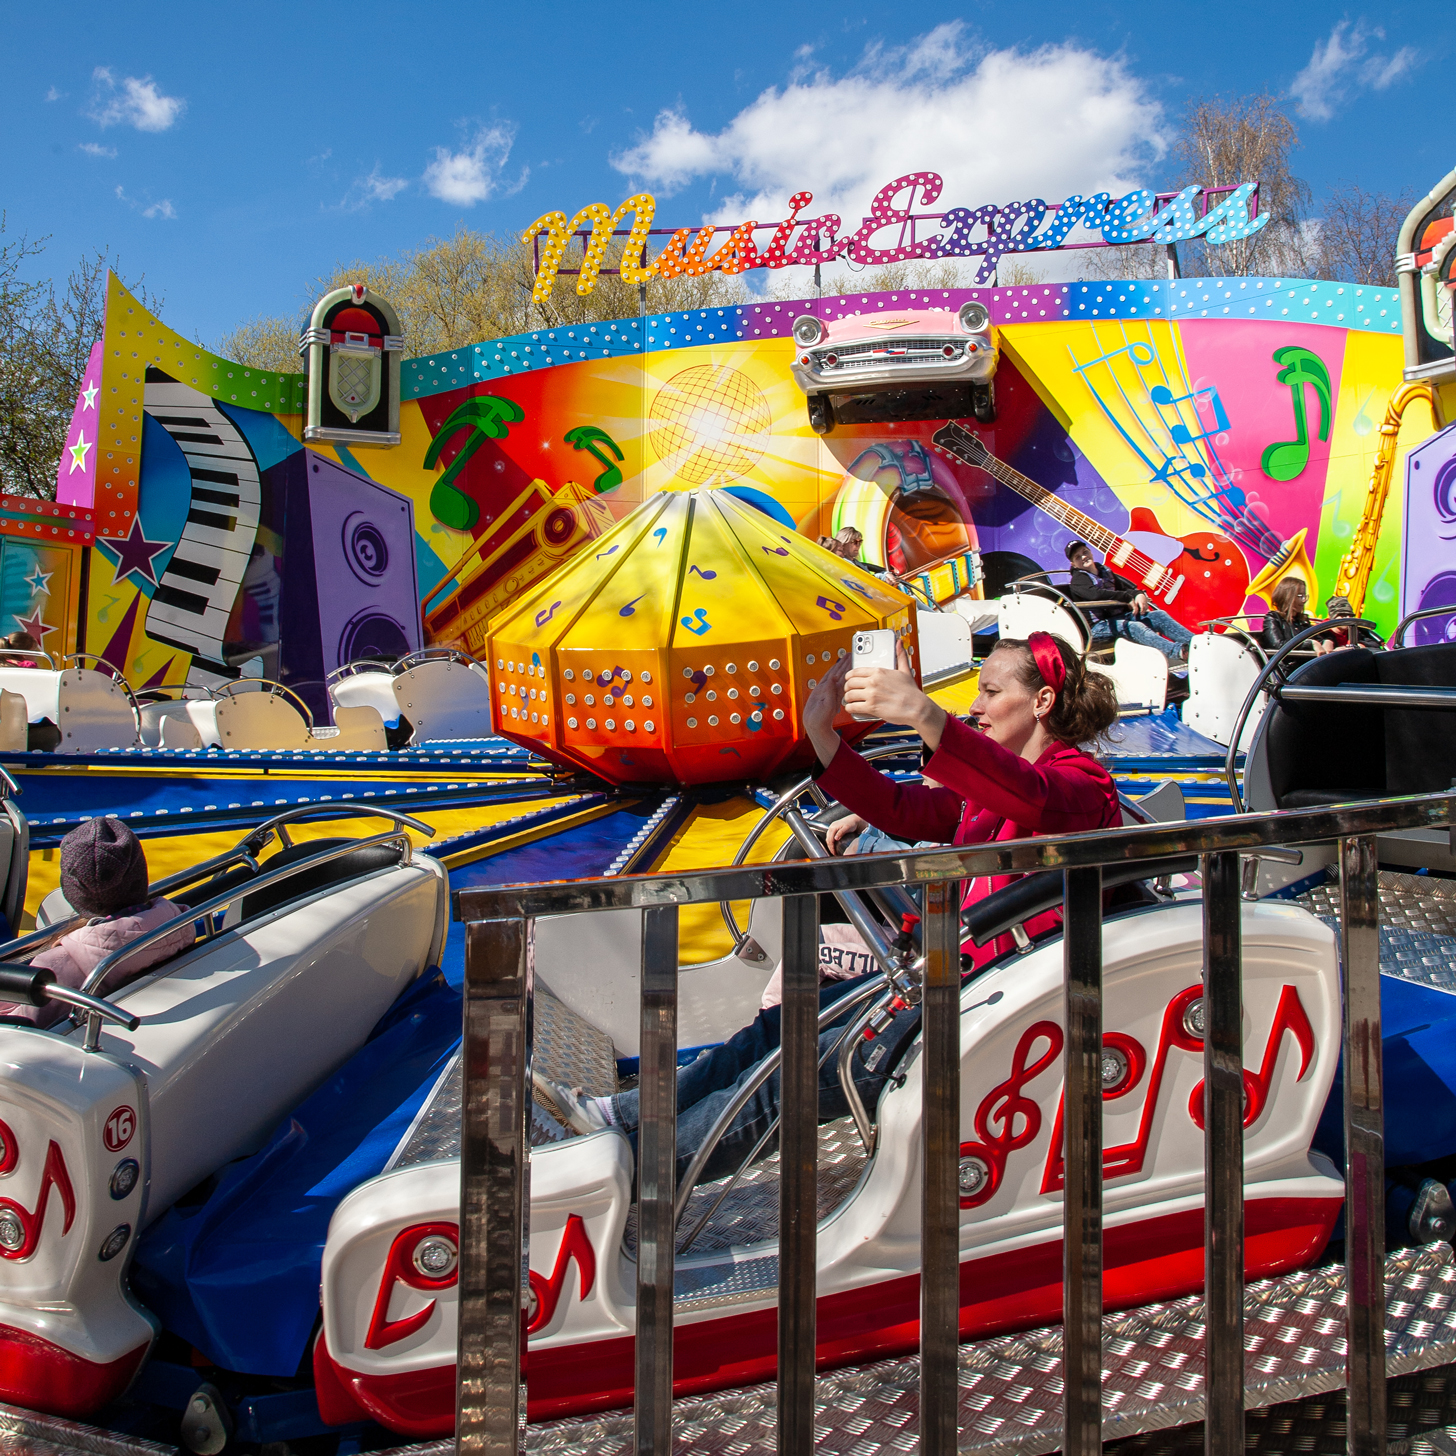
column 494, row 1210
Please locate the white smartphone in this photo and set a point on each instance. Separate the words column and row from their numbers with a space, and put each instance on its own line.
column 873, row 649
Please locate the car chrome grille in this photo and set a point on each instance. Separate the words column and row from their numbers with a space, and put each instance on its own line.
column 888, row 354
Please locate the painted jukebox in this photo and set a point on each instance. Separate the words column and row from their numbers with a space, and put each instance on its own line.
column 351, row 350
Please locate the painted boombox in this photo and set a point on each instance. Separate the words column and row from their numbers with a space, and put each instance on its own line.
column 526, row 542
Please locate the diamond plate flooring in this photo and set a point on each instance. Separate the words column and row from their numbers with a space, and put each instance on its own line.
column 28, row 1433
column 1010, row 1386
column 1417, row 925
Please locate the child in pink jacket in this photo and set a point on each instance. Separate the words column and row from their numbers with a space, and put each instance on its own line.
column 104, row 875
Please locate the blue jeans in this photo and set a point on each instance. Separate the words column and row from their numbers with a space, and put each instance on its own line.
column 707, row 1085
column 1156, row 629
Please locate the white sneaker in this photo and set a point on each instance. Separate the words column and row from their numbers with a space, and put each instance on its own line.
column 581, row 1112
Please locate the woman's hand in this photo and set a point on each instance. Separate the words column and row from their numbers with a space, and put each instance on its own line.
column 822, row 708
column 872, row 692
column 843, row 832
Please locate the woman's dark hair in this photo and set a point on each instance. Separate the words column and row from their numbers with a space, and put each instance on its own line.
column 1284, row 595
column 1085, row 708
column 22, row 641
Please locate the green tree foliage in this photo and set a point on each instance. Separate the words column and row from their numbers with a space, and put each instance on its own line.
column 46, row 333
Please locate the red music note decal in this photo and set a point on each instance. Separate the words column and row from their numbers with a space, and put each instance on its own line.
column 546, row 1292
column 996, row 1117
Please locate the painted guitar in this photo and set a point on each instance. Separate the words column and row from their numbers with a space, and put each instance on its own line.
column 1209, row 578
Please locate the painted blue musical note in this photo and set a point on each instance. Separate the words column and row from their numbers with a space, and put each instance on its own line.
column 661, row 534
column 855, row 586
column 702, row 625
column 1161, row 395
column 835, row 609
column 1140, row 353
column 607, row 552
column 699, row 680
column 706, row 575
column 630, row 610
column 776, row 550
column 543, row 617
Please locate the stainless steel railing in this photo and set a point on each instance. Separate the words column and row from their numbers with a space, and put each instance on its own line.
column 494, row 1222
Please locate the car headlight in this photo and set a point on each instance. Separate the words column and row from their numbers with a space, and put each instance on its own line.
column 807, row 330
column 975, row 318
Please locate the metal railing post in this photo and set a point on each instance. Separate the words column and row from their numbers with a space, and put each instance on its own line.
column 1082, row 1211
column 494, row 1189
column 798, row 1173
column 940, row 1212
column 656, row 1181
column 1223, row 1154
column 1364, row 1147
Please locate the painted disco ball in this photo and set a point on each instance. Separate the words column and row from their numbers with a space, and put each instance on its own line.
column 709, row 424
column 681, row 646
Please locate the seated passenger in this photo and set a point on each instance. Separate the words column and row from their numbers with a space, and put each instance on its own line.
column 1134, row 616
column 44, row 736
column 1338, row 607
column 1021, row 774
column 1288, row 618
column 104, row 875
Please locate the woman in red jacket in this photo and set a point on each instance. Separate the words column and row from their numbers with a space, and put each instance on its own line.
column 1019, row 772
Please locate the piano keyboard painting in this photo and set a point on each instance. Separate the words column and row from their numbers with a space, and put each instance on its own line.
column 196, row 592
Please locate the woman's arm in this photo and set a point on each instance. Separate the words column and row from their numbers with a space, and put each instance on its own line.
column 907, row 811
column 1050, row 800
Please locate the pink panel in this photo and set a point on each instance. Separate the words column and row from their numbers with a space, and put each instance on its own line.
column 76, row 475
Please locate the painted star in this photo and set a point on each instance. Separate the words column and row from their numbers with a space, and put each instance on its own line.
column 134, row 554
column 39, row 581
column 35, row 626
column 89, row 395
column 78, row 453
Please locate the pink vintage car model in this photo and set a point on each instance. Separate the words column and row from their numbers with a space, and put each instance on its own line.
column 912, row 364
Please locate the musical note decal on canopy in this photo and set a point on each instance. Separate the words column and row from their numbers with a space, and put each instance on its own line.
column 1285, row 459
column 697, row 628
column 630, row 610
column 543, row 617
column 835, row 609
column 706, row 575
column 661, row 534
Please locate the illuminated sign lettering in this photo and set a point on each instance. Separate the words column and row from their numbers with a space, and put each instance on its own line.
column 988, row 232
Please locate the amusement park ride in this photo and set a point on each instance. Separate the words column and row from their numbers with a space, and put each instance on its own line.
column 563, row 597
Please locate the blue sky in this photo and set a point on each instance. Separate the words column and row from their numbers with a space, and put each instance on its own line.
column 231, row 154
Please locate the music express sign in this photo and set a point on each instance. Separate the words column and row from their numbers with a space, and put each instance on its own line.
column 988, row 232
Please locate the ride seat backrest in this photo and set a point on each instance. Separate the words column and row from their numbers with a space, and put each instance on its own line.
column 1420, row 743
column 367, row 689
column 445, row 699
column 1019, row 614
column 39, row 686
column 358, row 729
column 1325, row 753
column 336, row 871
column 259, row 720
column 13, row 725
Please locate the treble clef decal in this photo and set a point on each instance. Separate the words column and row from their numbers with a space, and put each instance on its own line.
column 997, row 1117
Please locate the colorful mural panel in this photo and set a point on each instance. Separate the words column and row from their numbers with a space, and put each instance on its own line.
column 1222, row 431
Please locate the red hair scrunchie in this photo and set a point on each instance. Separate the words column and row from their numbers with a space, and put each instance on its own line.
column 1048, row 660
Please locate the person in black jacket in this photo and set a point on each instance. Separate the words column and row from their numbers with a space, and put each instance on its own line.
column 1288, row 618
column 1134, row 616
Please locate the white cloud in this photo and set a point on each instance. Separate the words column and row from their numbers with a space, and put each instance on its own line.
column 163, row 208
column 1344, row 63
column 55, row 94
column 95, row 149
column 132, row 102
column 998, row 125
column 473, row 173
column 376, row 187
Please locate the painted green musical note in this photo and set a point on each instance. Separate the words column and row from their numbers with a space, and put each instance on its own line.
column 1285, row 459
column 591, row 439
column 485, row 417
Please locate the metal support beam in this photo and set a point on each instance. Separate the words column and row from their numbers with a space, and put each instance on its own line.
column 656, row 1181
column 494, row 1191
column 1082, row 1211
column 1223, row 1156
column 798, row 1173
column 1364, row 1147
column 940, row 1213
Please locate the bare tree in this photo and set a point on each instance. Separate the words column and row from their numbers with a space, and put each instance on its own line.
column 469, row 287
column 1224, row 142
column 1356, row 234
column 48, row 331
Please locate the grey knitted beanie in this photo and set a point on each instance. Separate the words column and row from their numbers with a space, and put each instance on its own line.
column 103, row 867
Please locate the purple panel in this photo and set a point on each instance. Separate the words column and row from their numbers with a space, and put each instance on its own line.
column 1428, row 568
